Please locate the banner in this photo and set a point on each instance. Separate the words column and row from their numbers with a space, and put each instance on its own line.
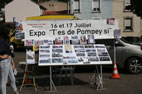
column 41, row 30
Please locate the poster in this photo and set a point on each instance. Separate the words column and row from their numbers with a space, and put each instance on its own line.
column 30, row 57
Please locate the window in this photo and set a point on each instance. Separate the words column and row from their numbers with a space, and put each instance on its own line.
column 76, row 6
column 127, row 4
column 107, row 42
column 128, row 24
column 51, row 5
column 95, row 5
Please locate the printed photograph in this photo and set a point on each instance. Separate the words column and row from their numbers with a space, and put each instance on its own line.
column 30, row 57
column 19, row 26
column 100, row 46
column 38, row 42
column 47, row 60
column 72, row 61
column 91, row 39
column 89, row 46
column 75, row 40
column 19, row 35
column 44, row 47
column 50, row 42
column 58, row 40
column 57, row 50
column 45, row 42
column 80, row 54
column 103, row 54
column 78, row 46
column 44, row 51
column 79, row 50
column 57, row 60
column 117, row 33
column 111, row 21
column 74, row 37
column 57, row 46
column 83, row 40
column 44, row 55
column 66, row 40
column 102, row 58
column 68, row 48
column 28, row 42
column 93, row 59
column 91, row 50
column 101, row 50
column 57, row 55
column 69, row 57
column 81, row 59
column 91, row 54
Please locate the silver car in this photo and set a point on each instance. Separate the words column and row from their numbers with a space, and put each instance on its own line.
column 128, row 56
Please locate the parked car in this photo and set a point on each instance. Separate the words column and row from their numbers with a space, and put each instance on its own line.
column 133, row 40
column 128, row 56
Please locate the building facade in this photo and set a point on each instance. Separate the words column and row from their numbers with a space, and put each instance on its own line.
column 129, row 23
column 54, row 7
column 18, row 10
column 90, row 9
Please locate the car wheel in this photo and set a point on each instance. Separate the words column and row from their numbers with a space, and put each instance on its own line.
column 133, row 65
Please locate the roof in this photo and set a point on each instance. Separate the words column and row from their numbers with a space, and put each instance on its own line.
column 55, row 12
column 52, row 17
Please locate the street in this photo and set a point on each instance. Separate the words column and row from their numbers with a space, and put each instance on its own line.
column 127, row 84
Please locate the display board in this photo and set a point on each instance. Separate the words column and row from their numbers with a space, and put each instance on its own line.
column 73, row 55
column 42, row 30
column 70, row 42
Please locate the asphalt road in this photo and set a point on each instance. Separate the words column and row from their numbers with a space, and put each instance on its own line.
column 127, row 84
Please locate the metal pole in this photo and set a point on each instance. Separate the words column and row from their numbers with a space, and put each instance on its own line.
column 51, row 81
column 114, row 51
column 101, row 77
column 50, row 78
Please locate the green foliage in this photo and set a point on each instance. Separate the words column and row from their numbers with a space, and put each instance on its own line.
column 3, row 2
column 36, row 1
column 136, row 7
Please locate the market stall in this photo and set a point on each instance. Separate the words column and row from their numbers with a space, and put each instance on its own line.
column 70, row 42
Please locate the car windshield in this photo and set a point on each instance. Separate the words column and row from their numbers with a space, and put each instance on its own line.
column 122, row 39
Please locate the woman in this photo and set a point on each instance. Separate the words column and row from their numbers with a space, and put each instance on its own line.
column 6, row 70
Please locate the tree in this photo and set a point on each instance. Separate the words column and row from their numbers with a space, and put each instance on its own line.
column 36, row 1
column 3, row 2
column 136, row 7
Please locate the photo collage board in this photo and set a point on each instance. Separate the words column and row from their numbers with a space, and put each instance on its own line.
column 73, row 50
column 63, row 40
